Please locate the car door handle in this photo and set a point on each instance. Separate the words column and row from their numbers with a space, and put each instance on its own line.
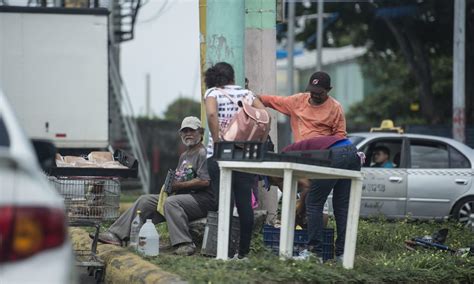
column 395, row 179
column 461, row 181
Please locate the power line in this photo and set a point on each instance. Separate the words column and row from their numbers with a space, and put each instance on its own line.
column 164, row 8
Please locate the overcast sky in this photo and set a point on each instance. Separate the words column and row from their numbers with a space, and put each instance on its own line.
column 166, row 45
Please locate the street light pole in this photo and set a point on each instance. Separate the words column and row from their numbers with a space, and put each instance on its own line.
column 286, row 129
column 459, row 91
column 291, row 46
column 147, row 95
column 319, row 40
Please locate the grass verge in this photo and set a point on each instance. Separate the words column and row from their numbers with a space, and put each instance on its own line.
column 380, row 258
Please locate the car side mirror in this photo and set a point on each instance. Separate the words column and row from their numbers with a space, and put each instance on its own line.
column 46, row 153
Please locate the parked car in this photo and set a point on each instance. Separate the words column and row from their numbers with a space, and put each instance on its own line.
column 432, row 177
column 34, row 246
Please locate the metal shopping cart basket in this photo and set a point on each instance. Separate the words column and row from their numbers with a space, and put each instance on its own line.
column 89, row 201
column 92, row 196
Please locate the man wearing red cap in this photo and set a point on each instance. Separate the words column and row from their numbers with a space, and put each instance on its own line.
column 318, row 122
column 312, row 113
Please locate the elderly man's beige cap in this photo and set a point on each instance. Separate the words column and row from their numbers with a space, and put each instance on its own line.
column 190, row 122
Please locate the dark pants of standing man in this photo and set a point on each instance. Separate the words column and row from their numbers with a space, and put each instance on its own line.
column 344, row 157
column 242, row 185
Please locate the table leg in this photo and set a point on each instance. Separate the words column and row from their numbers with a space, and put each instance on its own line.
column 225, row 192
column 288, row 214
column 352, row 224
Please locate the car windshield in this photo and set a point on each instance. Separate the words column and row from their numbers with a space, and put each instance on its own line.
column 355, row 139
column 4, row 139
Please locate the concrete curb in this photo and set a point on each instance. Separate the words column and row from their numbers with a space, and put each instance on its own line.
column 121, row 265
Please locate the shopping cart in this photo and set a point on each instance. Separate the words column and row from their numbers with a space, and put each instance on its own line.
column 89, row 201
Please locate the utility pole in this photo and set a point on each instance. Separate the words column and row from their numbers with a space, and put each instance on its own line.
column 221, row 25
column 225, row 36
column 285, row 138
column 459, row 91
column 260, row 50
column 147, row 95
column 260, row 70
column 225, row 41
column 202, row 41
column 291, row 46
column 319, row 35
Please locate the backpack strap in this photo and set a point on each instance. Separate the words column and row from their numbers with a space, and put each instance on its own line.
column 228, row 96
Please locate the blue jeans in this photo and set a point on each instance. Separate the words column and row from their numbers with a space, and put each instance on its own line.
column 344, row 157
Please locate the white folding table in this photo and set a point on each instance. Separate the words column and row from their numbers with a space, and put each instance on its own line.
column 290, row 172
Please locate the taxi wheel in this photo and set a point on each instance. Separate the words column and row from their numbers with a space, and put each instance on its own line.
column 463, row 211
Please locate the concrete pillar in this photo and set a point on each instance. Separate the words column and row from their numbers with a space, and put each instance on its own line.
column 202, row 59
column 225, row 40
column 260, row 69
column 260, row 50
column 459, row 58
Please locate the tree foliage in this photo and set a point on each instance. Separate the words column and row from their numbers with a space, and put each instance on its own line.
column 394, row 91
column 410, row 45
column 181, row 108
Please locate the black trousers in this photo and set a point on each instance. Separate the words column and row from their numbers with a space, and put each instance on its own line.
column 242, row 185
column 344, row 157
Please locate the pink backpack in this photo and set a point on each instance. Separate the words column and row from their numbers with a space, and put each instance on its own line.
column 248, row 124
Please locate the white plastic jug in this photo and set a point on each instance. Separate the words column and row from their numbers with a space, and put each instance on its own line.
column 148, row 239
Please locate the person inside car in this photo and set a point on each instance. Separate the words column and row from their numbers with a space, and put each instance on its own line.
column 381, row 157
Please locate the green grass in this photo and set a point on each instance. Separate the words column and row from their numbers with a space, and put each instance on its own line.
column 129, row 196
column 380, row 257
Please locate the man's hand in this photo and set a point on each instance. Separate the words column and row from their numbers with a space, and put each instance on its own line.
column 175, row 186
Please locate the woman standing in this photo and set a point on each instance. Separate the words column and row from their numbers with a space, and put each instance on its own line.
column 220, row 109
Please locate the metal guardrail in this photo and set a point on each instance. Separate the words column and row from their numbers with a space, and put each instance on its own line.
column 123, row 99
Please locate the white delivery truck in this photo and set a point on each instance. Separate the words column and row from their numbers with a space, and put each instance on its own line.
column 54, row 71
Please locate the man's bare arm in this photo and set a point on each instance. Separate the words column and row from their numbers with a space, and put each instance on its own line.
column 195, row 183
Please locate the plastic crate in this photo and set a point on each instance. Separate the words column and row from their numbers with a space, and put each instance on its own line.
column 257, row 152
column 240, row 151
column 271, row 238
column 209, row 242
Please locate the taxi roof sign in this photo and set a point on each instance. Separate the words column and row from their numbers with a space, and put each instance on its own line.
column 387, row 125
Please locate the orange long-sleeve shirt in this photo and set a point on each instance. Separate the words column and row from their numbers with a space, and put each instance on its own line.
column 309, row 120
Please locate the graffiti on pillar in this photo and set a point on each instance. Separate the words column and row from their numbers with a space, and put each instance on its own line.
column 219, row 49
